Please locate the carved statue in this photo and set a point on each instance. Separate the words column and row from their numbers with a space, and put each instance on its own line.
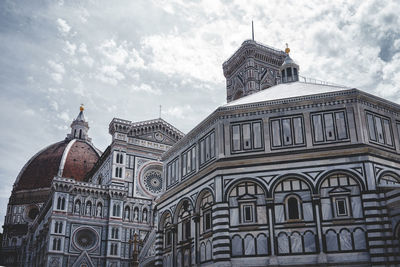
column 136, row 215
column 145, row 215
column 77, row 207
column 88, row 209
column 98, row 214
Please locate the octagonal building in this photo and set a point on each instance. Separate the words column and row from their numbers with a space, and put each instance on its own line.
column 293, row 173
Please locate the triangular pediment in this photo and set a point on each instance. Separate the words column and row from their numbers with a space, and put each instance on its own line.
column 83, row 260
column 246, row 197
column 339, row 190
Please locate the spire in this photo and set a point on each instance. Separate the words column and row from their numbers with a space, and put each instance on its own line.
column 79, row 127
column 289, row 69
column 252, row 30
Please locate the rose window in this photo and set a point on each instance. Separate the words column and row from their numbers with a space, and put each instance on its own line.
column 85, row 238
column 152, row 181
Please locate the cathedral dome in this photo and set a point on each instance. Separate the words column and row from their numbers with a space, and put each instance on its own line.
column 73, row 158
column 69, row 158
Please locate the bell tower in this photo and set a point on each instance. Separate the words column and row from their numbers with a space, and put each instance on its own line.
column 252, row 68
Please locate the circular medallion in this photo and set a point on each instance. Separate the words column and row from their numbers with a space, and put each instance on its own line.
column 85, row 238
column 153, row 181
column 158, row 136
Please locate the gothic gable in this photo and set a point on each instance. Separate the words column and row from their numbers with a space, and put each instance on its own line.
column 83, row 260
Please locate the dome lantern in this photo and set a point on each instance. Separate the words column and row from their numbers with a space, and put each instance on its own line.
column 289, row 69
column 79, row 127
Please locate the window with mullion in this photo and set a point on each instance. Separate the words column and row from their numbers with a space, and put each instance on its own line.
column 246, row 136
column 379, row 129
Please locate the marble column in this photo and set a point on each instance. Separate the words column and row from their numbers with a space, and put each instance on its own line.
column 159, row 248
column 317, row 203
column 196, row 219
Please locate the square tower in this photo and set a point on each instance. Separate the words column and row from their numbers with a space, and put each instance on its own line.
column 252, row 68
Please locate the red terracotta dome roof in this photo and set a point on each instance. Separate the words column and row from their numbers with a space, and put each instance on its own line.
column 69, row 158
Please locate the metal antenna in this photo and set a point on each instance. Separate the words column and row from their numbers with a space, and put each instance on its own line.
column 252, row 30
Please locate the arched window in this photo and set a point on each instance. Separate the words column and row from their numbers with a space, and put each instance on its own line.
column 205, row 212
column 118, row 210
column 237, row 246
column 59, row 203
column 80, row 134
column 166, row 224
column 293, row 201
column 341, row 197
column 75, row 133
column 247, row 204
column 184, row 221
column 114, row 213
column 293, row 208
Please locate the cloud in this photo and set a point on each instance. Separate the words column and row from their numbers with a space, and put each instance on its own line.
column 116, row 54
column 69, row 48
column 88, row 60
column 180, row 112
column 83, row 48
column 110, row 74
column 146, row 88
column 57, row 71
column 63, row 26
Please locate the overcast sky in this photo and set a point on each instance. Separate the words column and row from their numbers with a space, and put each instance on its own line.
column 125, row 58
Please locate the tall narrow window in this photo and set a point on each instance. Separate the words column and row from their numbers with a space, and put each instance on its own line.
column 317, row 125
column 257, row 135
column 193, row 158
column 387, row 130
column 379, row 129
column 341, row 207
column 246, row 136
column 202, row 152
column 212, row 145
column 287, row 132
column 236, row 137
column 298, row 130
column 329, row 127
column 293, row 208
column 341, row 125
column 276, row 133
column 184, row 164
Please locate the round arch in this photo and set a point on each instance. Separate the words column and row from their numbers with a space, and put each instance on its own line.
column 163, row 216
column 340, row 171
column 388, row 173
column 239, row 181
column 179, row 206
column 200, row 196
column 289, row 176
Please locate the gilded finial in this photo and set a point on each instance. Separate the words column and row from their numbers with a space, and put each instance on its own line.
column 287, row 50
column 81, row 108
